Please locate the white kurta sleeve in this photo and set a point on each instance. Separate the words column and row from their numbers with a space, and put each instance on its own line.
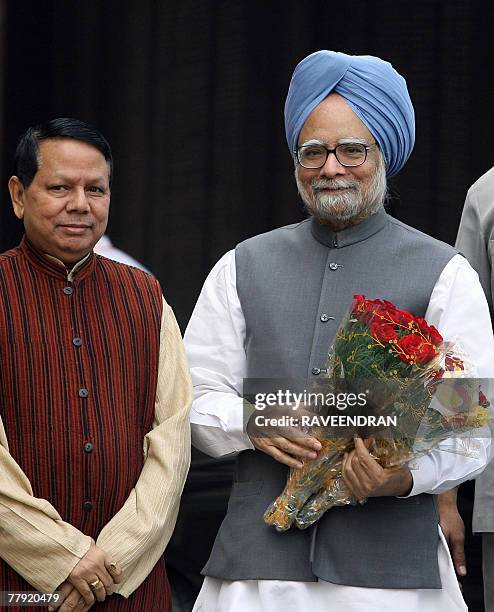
column 214, row 342
column 459, row 310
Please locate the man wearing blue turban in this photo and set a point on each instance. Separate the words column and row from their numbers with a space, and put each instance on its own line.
column 373, row 90
column 270, row 309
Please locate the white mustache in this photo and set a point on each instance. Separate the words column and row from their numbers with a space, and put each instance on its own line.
column 318, row 183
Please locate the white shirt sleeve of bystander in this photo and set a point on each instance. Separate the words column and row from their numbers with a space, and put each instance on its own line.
column 459, row 310
column 214, row 342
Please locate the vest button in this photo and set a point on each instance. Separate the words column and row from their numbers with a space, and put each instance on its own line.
column 68, row 290
column 324, row 318
column 77, row 341
column 316, row 371
column 83, row 392
column 88, row 447
column 333, row 265
column 87, row 505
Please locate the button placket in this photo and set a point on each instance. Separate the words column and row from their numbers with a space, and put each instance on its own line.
column 87, row 447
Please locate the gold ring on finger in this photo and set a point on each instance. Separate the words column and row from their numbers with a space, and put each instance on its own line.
column 95, row 584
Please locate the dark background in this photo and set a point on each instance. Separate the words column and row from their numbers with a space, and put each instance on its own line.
column 190, row 95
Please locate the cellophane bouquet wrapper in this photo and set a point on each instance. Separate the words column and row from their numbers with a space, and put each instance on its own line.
column 408, row 372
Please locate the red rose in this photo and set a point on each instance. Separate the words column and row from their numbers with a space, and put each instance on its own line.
column 425, row 353
column 409, row 344
column 429, row 331
column 384, row 332
column 421, row 324
column 358, row 300
column 359, row 307
column 400, row 317
column 434, row 336
column 364, row 310
column 404, row 317
column 416, row 349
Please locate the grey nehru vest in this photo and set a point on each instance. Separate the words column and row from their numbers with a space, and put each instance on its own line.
column 294, row 285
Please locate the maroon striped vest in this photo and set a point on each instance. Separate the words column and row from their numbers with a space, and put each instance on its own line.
column 78, row 375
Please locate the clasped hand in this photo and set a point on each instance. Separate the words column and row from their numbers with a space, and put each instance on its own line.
column 93, row 578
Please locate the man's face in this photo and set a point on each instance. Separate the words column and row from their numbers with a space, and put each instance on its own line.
column 337, row 195
column 65, row 208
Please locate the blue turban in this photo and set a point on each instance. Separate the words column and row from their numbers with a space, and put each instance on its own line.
column 375, row 92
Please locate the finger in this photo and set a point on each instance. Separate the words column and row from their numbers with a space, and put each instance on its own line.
column 106, row 577
column 366, row 463
column 357, row 477
column 110, row 587
column 84, row 589
column 362, row 452
column 293, row 448
column 362, row 470
column 114, row 569
column 99, row 590
column 344, row 461
column 294, row 433
column 367, row 442
column 81, row 605
column 64, row 589
column 280, row 447
column 302, row 438
column 283, row 457
column 72, row 602
column 348, row 474
column 457, row 549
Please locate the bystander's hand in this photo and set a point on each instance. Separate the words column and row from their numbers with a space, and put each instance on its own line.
column 92, row 579
column 453, row 527
column 366, row 478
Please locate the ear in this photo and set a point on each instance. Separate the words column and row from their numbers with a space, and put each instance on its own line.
column 16, row 189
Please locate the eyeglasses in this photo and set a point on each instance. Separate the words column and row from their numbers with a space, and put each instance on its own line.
column 348, row 154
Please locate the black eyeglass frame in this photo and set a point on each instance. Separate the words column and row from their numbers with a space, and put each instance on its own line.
column 334, row 151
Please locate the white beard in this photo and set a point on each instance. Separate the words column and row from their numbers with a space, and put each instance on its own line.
column 355, row 204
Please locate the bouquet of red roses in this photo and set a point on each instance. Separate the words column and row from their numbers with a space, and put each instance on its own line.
column 408, row 373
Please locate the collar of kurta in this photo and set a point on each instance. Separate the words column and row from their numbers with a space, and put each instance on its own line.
column 350, row 235
column 47, row 264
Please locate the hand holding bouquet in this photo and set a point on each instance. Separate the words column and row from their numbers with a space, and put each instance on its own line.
column 408, row 373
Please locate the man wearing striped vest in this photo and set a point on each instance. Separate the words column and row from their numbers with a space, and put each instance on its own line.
column 95, row 392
